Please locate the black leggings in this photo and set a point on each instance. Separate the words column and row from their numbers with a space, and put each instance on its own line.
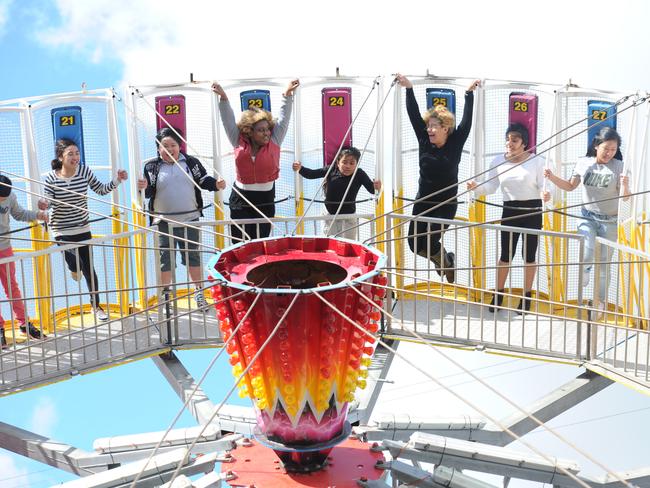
column 428, row 235
column 240, row 209
column 509, row 240
column 84, row 261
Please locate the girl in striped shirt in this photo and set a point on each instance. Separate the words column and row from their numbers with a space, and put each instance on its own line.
column 65, row 189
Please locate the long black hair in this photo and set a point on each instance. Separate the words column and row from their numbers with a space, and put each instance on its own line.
column 59, row 147
column 606, row 134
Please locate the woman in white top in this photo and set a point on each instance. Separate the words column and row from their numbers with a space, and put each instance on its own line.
column 520, row 176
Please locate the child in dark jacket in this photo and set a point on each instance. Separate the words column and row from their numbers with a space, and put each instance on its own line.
column 336, row 184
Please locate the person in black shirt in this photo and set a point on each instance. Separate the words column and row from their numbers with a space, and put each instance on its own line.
column 336, row 184
column 440, row 149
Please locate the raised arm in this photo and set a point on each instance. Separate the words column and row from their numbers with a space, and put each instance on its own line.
column 228, row 121
column 412, row 109
column 227, row 115
column 282, row 126
column 468, row 111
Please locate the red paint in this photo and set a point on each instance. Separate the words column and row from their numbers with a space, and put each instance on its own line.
column 347, row 463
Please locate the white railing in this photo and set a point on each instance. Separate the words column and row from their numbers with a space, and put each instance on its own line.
column 144, row 318
column 564, row 322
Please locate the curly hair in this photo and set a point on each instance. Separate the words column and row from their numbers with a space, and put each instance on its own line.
column 251, row 117
column 443, row 115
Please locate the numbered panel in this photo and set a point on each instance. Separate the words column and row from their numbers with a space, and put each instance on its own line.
column 67, row 124
column 255, row 98
column 522, row 109
column 337, row 119
column 172, row 109
column 601, row 114
column 441, row 96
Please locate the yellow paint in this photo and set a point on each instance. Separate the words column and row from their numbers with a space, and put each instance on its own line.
column 398, row 242
column 380, row 223
column 219, row 214
column 140, row 245
column 122, row 257
column 300, row 211
column 42, row 274
column 477, row 213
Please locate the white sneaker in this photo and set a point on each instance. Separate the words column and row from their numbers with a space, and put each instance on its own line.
column 76, row 275
column 201, row 303
column 100, row 313
column 586, row 276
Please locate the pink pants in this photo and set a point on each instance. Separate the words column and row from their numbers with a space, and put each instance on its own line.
column 10, row 285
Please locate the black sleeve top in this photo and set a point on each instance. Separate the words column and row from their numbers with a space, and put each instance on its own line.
column 336, row 186
column 439, row 166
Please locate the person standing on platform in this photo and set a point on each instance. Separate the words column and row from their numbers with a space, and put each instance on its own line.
column 520, row 175
column 256, row 139
column 9, row 206
column 65, row 191
column 337, row 182
column 171, row 183
column 601, row 173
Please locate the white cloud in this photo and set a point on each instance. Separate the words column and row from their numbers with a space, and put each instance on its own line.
column 12, row 476
column 161, row 41
column 44, row 417
column 4, row 14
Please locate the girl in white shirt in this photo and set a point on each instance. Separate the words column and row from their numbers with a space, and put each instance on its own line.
column 520, row 176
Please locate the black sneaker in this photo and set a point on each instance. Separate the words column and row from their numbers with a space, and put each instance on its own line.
column 3, row 340
column 450, row 267
column 434, row 259
column 34, row 333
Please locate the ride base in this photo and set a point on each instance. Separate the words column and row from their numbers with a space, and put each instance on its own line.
column 254, row 465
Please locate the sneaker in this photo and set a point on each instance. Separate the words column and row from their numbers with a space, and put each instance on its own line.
column 586, row 276
column 201, row 303
column 100, row 313
column 34, row 333
column 3, row 340
column 435, row 259
column 76, row 275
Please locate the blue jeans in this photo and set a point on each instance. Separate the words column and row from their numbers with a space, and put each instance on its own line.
column 597, row 225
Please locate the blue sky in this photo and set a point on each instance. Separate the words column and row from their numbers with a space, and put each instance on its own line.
column 51, row 47
column 109, row 402
column 33, row 66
